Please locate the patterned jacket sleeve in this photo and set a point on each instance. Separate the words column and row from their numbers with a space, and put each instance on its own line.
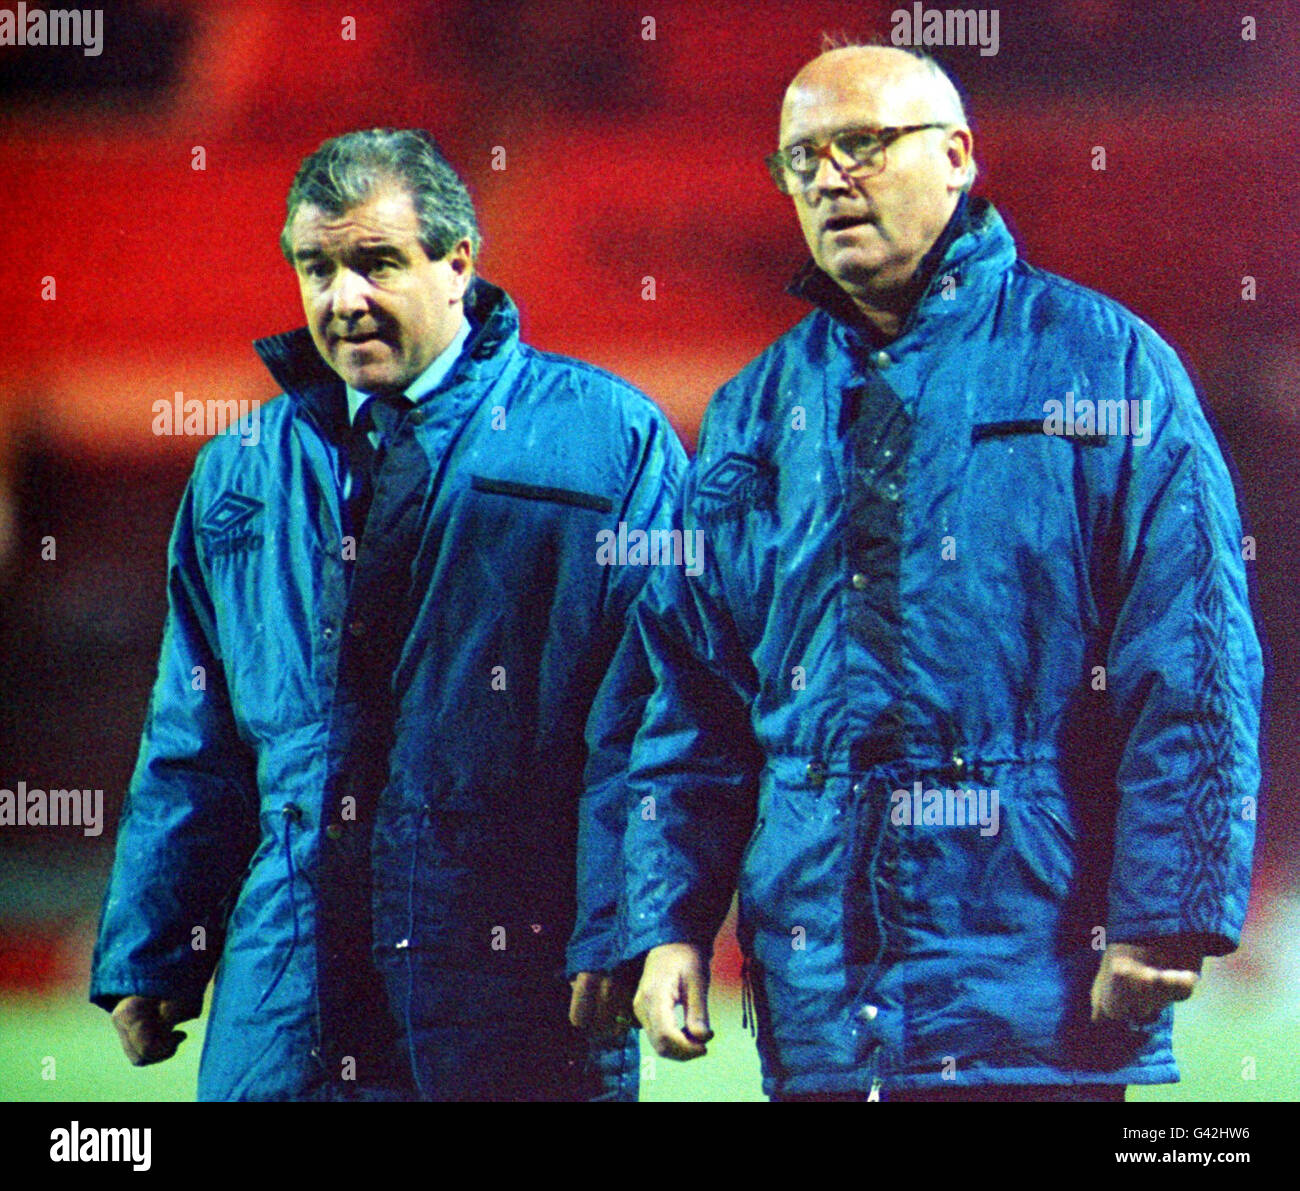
column 692, row 783
column 1185, row 673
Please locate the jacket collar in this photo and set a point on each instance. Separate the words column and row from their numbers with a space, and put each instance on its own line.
column 312, row 385
column 974, row 247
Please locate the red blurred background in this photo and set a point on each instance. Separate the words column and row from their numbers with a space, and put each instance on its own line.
column 626, row 157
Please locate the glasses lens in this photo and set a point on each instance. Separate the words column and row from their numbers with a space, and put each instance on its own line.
column 864, row 149
column 799, row 168
column 776, row 167
column 854, row 152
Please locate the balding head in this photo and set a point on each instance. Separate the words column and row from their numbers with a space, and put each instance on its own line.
column 892, row 87
column 870, row 217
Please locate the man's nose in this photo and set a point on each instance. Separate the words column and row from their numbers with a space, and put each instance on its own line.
column 829, row 178
column 349, row 295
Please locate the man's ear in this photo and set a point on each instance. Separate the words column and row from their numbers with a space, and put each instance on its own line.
column 461, row 260
column 960, row 147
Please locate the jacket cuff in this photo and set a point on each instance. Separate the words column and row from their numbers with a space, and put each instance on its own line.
column 107, row 989
column 1206, row 943
column 643, row 941
column 590, row 955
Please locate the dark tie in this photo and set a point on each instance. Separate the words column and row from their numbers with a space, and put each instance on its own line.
column 381, row 414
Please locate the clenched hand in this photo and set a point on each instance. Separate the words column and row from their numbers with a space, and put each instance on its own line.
column 1136, row 982
column 601, row 1004
column 675, row 974
column 145, row 1027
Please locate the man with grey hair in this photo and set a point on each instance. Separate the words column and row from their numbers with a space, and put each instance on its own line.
column 357, row 794
column 966, row 700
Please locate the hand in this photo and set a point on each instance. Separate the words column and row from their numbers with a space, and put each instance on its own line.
column 675, row 974
column 144, row 1025
column 601, row 1004
column 1136, row 982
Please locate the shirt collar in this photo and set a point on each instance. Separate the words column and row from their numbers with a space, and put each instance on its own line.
column 817, row 287
column 428, row 380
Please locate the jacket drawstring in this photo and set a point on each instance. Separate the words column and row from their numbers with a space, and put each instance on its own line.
column 292, row 814
column 748, row 1015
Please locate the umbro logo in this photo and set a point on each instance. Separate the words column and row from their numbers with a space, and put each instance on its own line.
column 736, row 486
column 226, row 528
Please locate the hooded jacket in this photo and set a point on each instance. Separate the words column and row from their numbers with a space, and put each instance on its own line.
column 968, row 688
column 356, row 795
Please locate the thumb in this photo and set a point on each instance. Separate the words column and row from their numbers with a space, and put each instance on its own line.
column 1175, row 984
column 695, row 995
column 170, row 1012
column 182, row 1009
column 581, row 1002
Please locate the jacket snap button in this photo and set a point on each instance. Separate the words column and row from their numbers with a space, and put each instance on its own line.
column 334, row 831
column 860, row 788
column 868, row 1012
column 958, row 764
column 401, row 944
column 328, row 632
column 882, row 360
column 860, row 581
column 816, row 773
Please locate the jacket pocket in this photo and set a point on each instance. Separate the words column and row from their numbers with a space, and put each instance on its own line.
column 563, row 496
column 1033, row 426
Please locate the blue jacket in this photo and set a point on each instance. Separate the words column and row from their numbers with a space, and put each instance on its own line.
column 964, row 691
column 358, row 784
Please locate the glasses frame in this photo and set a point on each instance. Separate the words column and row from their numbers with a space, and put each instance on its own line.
column 779, row 168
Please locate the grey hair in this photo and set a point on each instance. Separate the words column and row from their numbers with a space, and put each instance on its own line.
column 349, row 169
column 953, row 109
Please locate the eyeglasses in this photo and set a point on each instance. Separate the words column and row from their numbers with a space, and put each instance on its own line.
column 856, row 153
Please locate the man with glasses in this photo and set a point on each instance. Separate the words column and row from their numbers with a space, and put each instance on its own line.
column 965, row 701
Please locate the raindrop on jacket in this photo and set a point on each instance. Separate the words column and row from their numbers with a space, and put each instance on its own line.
column 371, row 808
column 968, row 689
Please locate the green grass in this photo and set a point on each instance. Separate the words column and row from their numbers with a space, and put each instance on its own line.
column 71, row 1040
column 1220, row 1028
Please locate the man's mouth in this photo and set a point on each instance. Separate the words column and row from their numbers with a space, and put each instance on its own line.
column 839, row 223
